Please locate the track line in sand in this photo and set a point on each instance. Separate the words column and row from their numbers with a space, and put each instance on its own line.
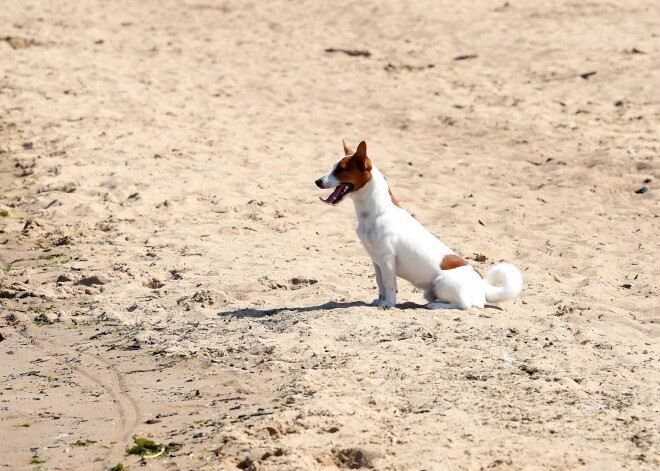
column 126, row 410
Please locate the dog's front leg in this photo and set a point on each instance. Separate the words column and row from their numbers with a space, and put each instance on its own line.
column 381, row 286
column 387, row 265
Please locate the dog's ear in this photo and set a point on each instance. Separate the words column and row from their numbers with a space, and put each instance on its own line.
column 347, row 150
column 360, row 156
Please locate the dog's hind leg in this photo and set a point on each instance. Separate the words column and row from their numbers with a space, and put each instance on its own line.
column 448, row 288
column 435, row 303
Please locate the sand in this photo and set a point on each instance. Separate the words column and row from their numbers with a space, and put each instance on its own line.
column 169, row 272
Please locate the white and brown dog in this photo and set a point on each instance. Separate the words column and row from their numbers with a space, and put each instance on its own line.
column 400, row 246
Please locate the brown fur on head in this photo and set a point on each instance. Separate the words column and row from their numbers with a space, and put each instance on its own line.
column 355, row 168
column 350, row 174
column 350, row 154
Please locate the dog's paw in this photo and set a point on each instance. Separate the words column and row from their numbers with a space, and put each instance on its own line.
column 441, row 306
column 385, row 304
column 434, row 306
column 376, row 302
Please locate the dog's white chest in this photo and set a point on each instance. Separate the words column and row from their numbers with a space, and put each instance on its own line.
column 372, row 239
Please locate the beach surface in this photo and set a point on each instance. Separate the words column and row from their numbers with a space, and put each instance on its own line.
column 169, row 273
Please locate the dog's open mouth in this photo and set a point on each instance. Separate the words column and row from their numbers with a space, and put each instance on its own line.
column 342, row 190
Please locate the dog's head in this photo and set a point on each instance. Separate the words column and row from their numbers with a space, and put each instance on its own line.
column 349, row 174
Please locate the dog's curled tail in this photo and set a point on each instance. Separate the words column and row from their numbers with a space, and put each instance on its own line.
column 503, row 282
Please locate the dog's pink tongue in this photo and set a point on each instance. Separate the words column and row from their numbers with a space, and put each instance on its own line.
column 333, row 197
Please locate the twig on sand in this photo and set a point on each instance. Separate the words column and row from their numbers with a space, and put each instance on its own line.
column 584, row 76
column 247, row 416
column 465, row 57
column 227, row 399
column 350, row 52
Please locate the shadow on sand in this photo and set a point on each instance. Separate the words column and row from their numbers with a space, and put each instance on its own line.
column 249, row 312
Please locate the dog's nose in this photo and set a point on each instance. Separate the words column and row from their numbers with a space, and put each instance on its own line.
column 319, row 182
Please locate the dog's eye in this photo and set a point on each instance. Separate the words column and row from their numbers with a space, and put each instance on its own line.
column 339, row 169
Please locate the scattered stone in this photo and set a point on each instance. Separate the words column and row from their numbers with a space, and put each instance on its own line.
column 563, row 310
column 247, row 463
column 33, row 225
column 642, row 190
column 42, row 319
column 276, row 452
column 298, row 283
column 66, row 240
column 473, row 377
column 603, row 346
column 7, row 294
column 353, row 458
column 92, row 280
column 20, row 43
column 529, row 369
column 154, row 284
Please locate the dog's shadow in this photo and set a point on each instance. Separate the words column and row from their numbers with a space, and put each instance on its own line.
column 256, row 313
column 251, row 312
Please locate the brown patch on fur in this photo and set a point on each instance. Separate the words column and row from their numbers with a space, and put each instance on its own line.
column 355, row 169
column 451, row 261
column 396, row 203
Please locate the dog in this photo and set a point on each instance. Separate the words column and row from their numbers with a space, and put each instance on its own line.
column 400, row 246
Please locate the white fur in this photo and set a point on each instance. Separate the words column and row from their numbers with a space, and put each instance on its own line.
column 400, row 246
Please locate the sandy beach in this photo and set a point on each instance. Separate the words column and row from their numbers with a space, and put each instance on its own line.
column 169, row 273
